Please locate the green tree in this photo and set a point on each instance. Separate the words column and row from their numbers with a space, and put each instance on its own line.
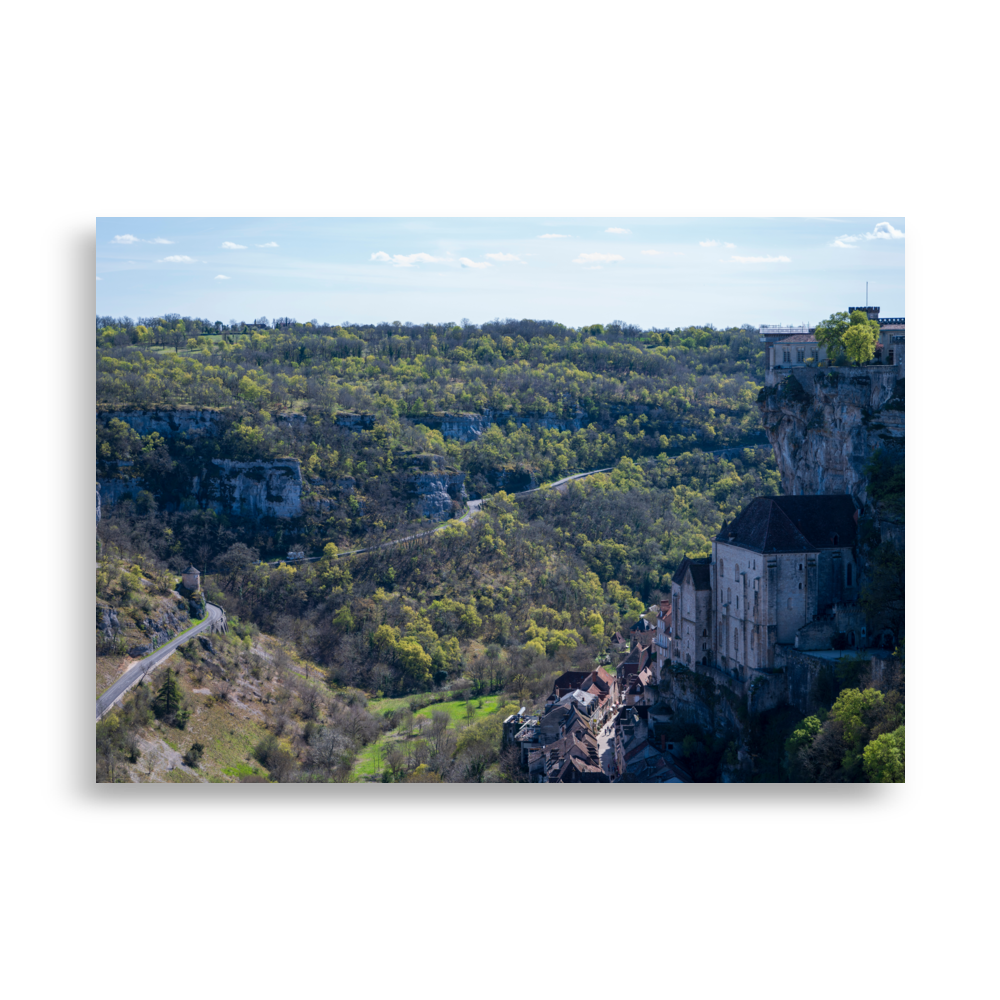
column 885, row 757
column 856, row 710
column 860, row 338
column 830, row 333
column 168, row 703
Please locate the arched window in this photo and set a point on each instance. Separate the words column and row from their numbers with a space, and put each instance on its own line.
column 800, row 567
column 704, row 631
column 729, row 595
column 851, row 640
column 736, row 572
column 755, row 564
column 836, row 539
column 800, row 586
column 789, row 604
column 849, row 574
column 722, row 567
column 736, row 640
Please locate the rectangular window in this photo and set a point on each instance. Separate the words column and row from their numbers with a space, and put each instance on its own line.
column 786, row 356
column 800, row 356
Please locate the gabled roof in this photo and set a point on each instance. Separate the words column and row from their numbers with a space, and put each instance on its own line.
column 191, row 569
column 641, row 626
column 700, row 572
column 793, row 524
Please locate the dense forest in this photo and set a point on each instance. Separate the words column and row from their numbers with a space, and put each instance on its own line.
column 491, row 606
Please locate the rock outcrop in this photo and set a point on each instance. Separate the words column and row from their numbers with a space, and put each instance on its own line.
column 435, row 491
column 256, row 489
column 825, row 424
column 168, row 423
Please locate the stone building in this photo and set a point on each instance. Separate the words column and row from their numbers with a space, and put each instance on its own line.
column 782, row 578
column 793, row 346
column 191, row 578
column 692, row 617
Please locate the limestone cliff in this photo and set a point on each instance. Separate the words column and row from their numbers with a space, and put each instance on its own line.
column 168, row 423
column 434, row 492
column 257, row 489
column 825, row 424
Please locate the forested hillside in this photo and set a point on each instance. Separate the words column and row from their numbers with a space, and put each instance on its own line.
column 495, row 605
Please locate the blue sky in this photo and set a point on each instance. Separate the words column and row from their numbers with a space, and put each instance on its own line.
column 651, row 272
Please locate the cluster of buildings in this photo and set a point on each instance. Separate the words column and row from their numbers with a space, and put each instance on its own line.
column 796, row 346
column 562, row 744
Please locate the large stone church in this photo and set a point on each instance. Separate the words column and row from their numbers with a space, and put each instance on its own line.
column 781, row 584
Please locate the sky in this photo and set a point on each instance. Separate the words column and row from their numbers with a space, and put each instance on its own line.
column 649, row 272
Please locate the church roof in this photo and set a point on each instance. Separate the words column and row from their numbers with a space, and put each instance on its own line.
column 191, row 569
column 700, row 572
column 793, row 524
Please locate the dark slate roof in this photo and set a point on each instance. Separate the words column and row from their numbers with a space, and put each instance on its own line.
column 191, row 569
column 641, row 626
column 793, row 524
column 700, row 572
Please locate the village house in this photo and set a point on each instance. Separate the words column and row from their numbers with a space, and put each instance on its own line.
column 597, row 689
column 640, row 756
column 664, row 633
column 640, row 631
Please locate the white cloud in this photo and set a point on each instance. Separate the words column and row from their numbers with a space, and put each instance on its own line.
column 232, row 246
column 271, row 244
column 715, row 243
column 885, row 231
column 761, row 260
column 98, row 277
column 504, row 257
column 221, row 277
column 554, row 236
column 408, row 260
column 597, row 258
column 653, row 253
column 615, row 229
column 465, row 262
column 128, row 238
column 882, row 231
column 179, row 259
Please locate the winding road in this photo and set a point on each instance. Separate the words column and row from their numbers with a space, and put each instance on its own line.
column 138, row 670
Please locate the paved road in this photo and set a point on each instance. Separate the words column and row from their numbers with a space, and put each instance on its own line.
column 471, row 507
column 137, row 671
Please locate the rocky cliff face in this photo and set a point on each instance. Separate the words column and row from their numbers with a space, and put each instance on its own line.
column 257, row 489
column 825, row 424
column 435, row 491
column 168, row 423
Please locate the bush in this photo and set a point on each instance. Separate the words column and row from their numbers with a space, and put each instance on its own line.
column 193, row 756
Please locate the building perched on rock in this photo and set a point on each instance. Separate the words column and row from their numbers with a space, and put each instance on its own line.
column 783, row 563
column 782, row 581
column 191, row 578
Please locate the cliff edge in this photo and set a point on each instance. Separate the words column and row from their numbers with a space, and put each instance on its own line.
column 825, row 424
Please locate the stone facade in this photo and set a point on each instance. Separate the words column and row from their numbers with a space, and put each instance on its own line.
column 781, row 580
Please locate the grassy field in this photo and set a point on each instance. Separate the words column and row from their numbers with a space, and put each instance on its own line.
column 371, row 760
